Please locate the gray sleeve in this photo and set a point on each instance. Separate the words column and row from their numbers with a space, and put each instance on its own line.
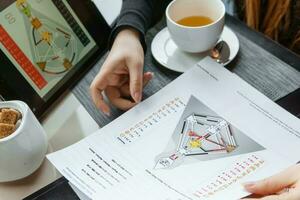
column 138, row 14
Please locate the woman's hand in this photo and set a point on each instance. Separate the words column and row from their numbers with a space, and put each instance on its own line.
column 121, row 76
column 283, row 186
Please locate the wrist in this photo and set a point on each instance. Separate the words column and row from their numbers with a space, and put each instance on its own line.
column 129, row 32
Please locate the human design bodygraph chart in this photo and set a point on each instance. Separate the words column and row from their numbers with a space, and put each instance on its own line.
column 45, row 40
column 202, row 135
column 54, row 47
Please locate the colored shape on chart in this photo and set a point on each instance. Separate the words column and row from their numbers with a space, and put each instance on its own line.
column 21, row 59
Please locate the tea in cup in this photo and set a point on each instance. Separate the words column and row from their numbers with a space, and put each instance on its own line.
column 195, row 25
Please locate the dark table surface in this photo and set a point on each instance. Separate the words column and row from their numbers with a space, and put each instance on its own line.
column 267, row 66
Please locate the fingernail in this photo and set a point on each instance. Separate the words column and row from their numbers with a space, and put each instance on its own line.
column 150, row 73
column 137, row 97
column 107, row 113
column 249, row 185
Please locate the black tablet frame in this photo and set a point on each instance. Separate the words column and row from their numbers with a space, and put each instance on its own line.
column 13, row 85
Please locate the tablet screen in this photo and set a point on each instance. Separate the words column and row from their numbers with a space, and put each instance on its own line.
column 45, row 41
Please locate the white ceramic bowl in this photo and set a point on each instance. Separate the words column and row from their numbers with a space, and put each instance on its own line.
column 195, row 39
column 22, row 152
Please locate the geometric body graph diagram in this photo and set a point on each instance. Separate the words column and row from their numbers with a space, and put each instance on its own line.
column 54, row 47
column 200, row 135
column 204, row 135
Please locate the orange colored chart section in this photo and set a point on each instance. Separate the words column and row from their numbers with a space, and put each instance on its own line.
column 21, row 59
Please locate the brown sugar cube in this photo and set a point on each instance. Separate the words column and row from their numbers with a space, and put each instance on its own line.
column 9, row 116
column 6, row 130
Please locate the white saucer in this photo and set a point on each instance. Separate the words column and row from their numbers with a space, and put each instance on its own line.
column 168, row 55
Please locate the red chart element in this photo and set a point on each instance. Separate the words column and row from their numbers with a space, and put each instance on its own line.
column 21, row 59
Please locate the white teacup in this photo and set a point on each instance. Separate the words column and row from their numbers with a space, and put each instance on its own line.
column 200, row 38
column 22, row 152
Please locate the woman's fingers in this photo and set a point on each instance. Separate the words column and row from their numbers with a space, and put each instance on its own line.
column 123, row 104
column 101, row 81
column 123, row 64
column 125, row 91
column 114, row 96
column 96, row 89
column 120, row 96
column 148, row 76
column 115, row 93
column 290, row 195
column 99, row 100
column 135, row 66
column 136, row 81
column 275, row 183
column 117, row 79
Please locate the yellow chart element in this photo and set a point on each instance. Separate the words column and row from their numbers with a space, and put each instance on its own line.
column 36, row 23
column 47, row 36
column 67, row 64
column 23, row 6
column 230, row 148
column 21, row 2
column 195, row 144
column 42, row 65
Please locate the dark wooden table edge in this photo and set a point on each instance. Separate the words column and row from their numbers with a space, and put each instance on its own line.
column 61, row 182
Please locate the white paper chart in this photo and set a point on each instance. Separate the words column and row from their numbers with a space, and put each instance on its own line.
column 118, row 161
column 105, row 173
column 231, row 175
column 137, row 130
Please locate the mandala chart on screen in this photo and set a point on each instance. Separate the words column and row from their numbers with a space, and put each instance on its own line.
column 44, row 40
